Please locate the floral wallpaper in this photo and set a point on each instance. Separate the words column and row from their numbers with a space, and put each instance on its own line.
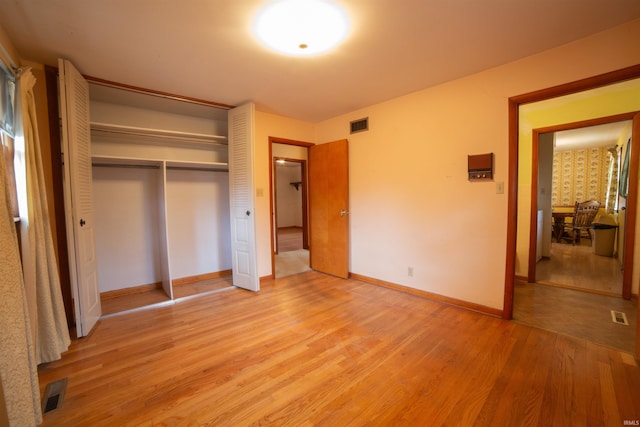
column 579, row 175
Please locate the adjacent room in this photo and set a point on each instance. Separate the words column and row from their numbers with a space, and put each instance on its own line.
column 290, row 202
column 578, row 284
column 258, row 212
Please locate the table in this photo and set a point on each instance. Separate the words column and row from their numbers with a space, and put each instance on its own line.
column 559, row 223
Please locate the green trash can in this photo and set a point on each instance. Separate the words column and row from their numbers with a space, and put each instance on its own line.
column 604, row 230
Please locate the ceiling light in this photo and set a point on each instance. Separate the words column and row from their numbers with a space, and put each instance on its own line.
column 301, row 27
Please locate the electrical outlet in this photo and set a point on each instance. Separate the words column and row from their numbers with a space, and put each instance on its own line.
column 410, row 271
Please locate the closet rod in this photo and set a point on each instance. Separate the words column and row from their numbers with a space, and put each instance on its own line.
column 134, row 166
column 183, row 168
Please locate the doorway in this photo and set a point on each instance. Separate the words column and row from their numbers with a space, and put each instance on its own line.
column 289, row 206
column 516, row 243
column 290, row 216
column 328, row 203
column 574, row 285
column 579, row 163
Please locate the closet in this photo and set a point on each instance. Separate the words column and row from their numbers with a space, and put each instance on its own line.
column 158, row 192
column 160, row 196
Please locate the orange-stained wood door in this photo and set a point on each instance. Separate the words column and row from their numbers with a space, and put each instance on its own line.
column 329, row 208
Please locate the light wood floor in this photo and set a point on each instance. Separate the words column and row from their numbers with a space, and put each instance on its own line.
column 578, row 267
column 311, row 349
column 148, row 298
column 289, row 239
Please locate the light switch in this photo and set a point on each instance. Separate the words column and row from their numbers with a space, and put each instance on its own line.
column 500, row 187
column 259, row 192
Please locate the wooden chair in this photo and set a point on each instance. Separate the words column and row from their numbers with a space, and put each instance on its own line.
column 585, row 213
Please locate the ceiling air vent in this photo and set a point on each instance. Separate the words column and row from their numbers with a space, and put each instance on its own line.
column 360, row 125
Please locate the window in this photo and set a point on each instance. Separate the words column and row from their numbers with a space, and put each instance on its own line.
column 7, row 95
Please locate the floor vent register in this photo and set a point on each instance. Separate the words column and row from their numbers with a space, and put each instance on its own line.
column 619, row 317
column 53, row 395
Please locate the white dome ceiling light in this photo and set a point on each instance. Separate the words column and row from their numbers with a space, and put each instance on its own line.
column 301, row 27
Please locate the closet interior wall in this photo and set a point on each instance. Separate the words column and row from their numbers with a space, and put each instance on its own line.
column 198, row 217
column 161, row 190
column 127, row 226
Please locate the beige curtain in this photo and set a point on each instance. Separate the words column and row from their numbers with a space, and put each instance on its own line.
column 18, row 367
column 611, row 204
column 8, row 151
column 42, row 280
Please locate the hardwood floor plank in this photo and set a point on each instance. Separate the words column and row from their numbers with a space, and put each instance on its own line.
column 380, row 375
column 591, row 374
column 609, row 398
column 565, row 382
column 318, row 350
column 449, row 374
column 519, row 405
column 619, row 371
column 489, row 365
column 500, row 382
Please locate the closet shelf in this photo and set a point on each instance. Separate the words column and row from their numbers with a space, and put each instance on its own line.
column 159, row 133
column 124, row 161
column 175, row 164
column 114, row 161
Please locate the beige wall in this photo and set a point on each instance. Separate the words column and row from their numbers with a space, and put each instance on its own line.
column 410, row 202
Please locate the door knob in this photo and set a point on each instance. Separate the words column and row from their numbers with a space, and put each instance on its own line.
column 344, row 212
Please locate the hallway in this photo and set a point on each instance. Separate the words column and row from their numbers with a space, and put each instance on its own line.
column 574, row 295
column 291, row 257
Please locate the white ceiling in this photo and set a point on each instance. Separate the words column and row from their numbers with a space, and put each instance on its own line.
column 205, row 49
column 588, row 137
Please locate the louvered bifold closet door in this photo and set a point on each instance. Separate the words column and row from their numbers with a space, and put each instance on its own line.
column 76, row 147
column 241, row 188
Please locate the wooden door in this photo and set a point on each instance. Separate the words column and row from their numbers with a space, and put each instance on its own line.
column 241, row 190
column 78, row 196
column 329, row 208
column 631, row 227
